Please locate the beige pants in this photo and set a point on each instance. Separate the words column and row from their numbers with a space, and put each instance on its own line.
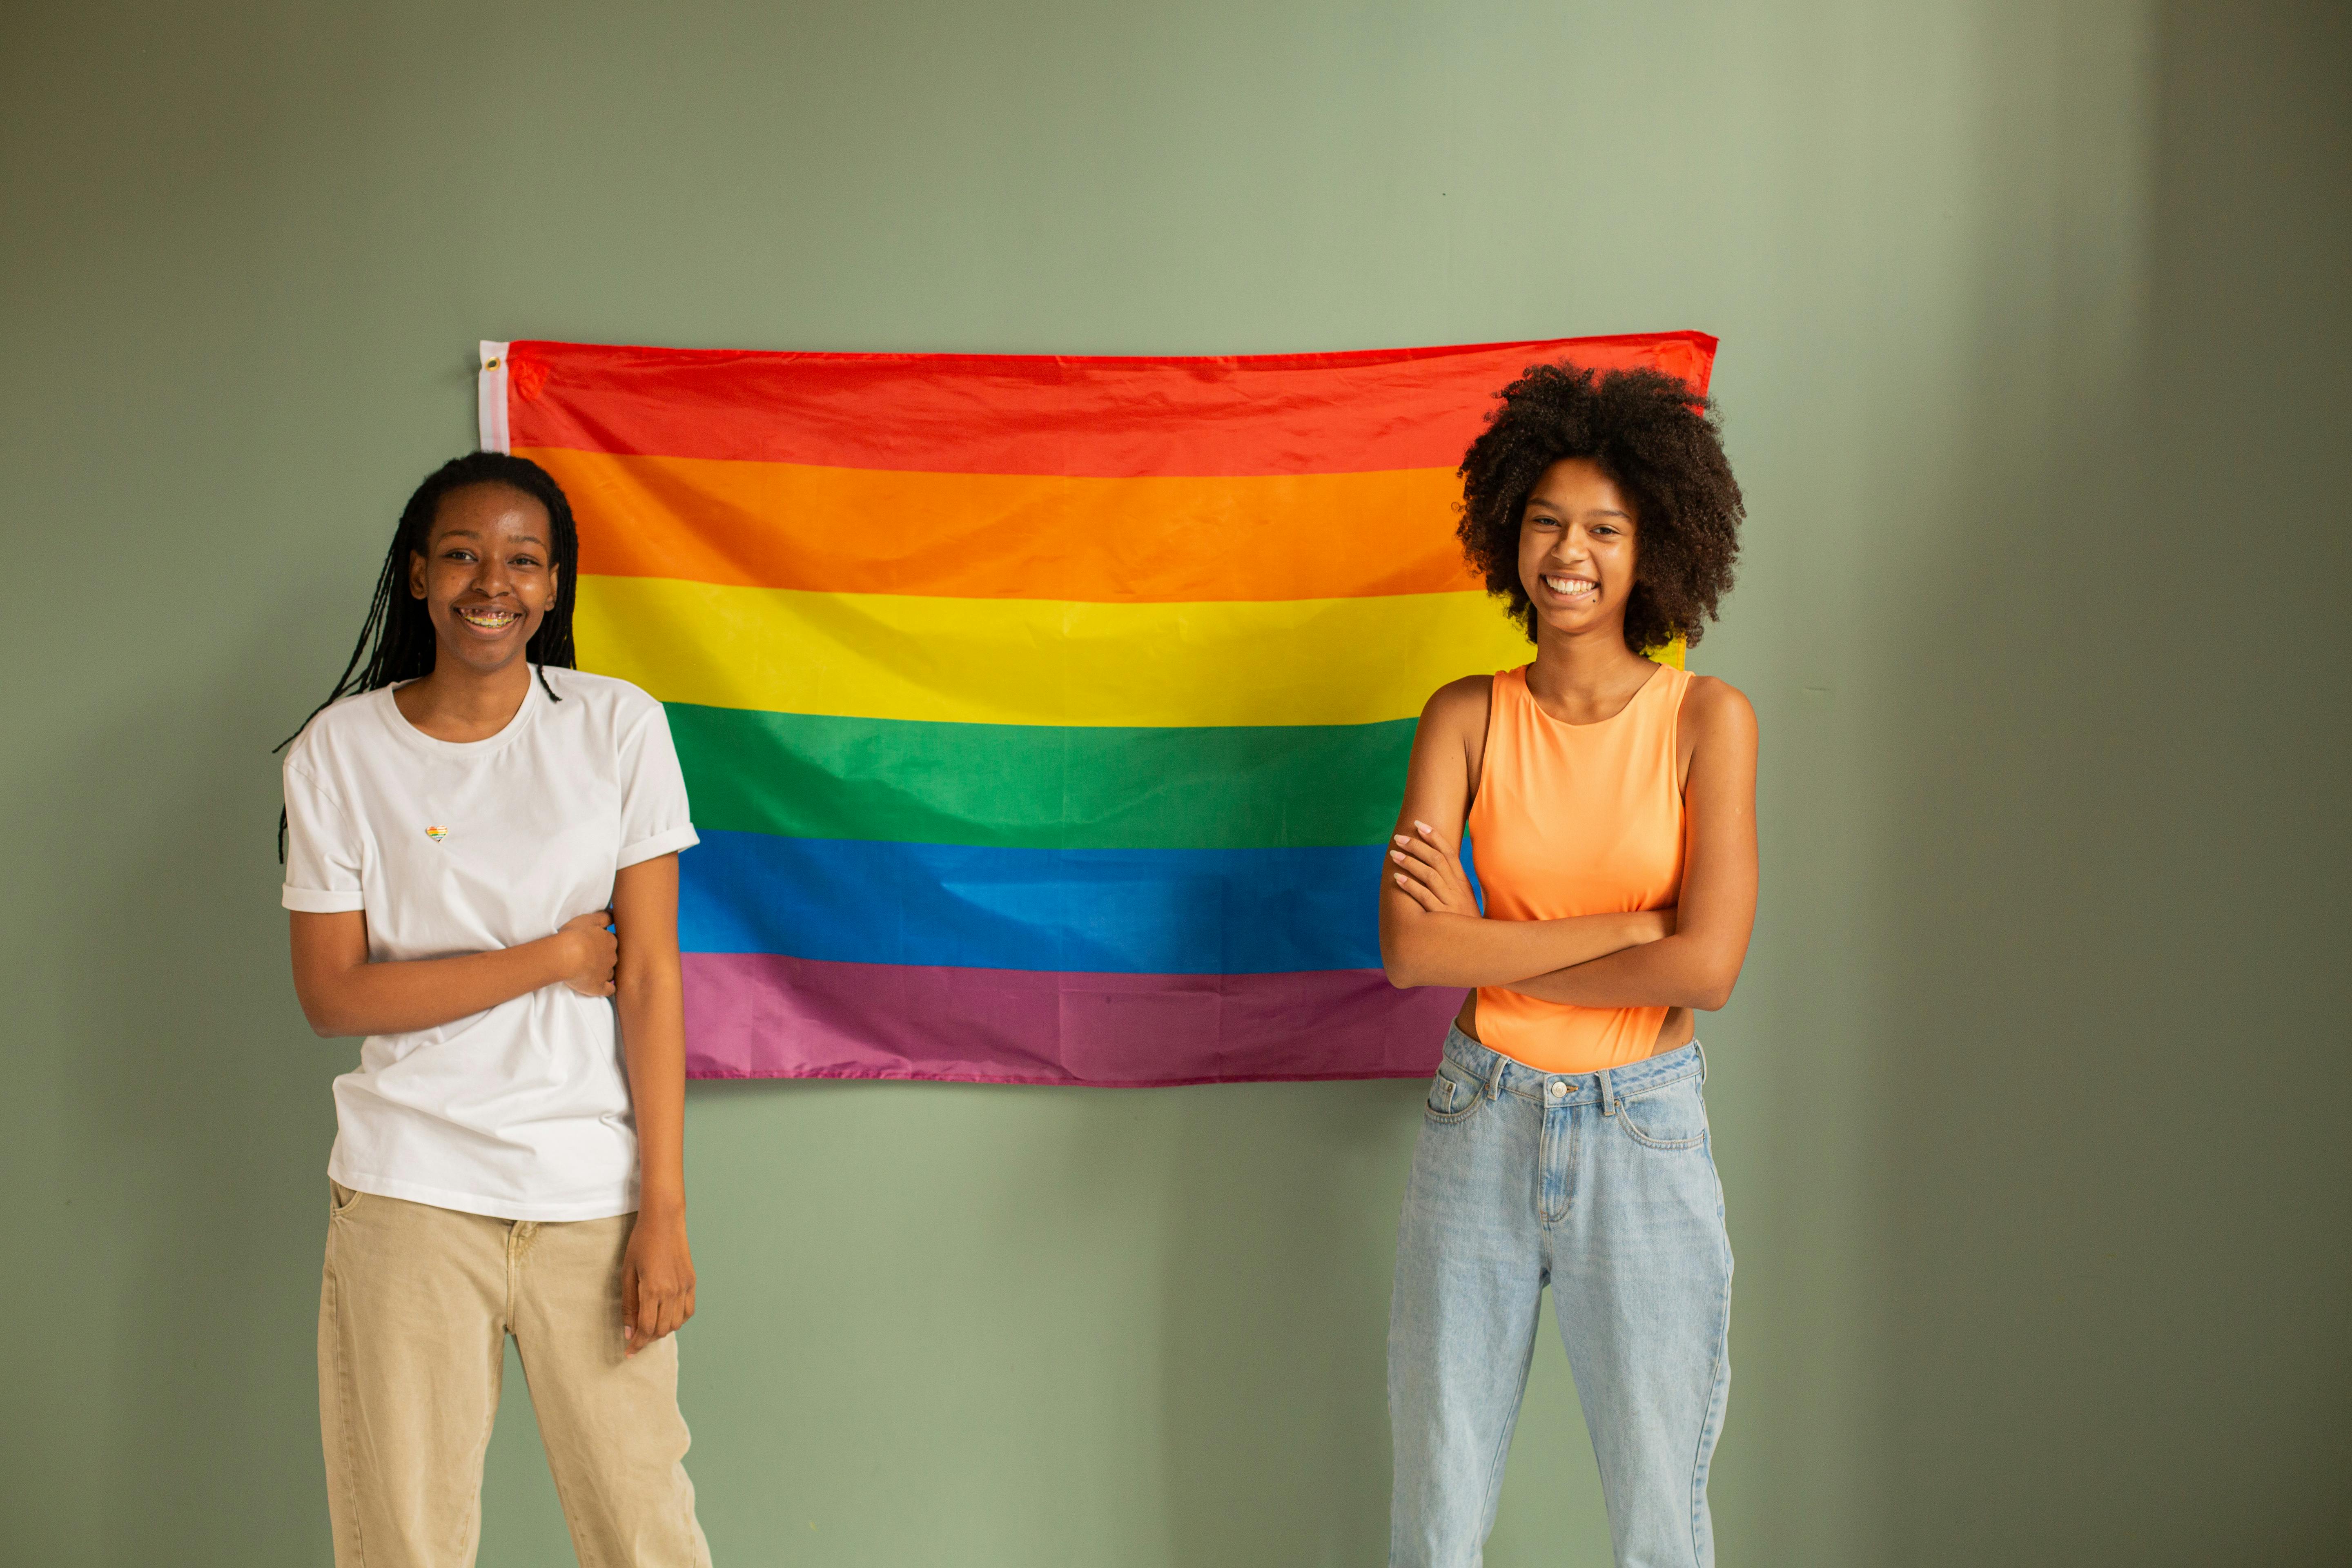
column 413, row 1314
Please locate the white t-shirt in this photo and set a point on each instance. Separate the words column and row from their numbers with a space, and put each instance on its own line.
column 521, row 1112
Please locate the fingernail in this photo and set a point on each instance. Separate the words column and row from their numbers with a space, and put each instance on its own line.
column 1399, row 838
column 1423, row 825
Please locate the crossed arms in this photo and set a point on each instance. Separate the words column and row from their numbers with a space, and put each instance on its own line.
column 636, row 964
column 1689, row 956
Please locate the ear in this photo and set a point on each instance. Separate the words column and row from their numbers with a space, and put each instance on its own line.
column 416, row 574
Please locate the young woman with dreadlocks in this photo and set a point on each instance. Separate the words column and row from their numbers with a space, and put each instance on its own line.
column 481, row 859
column 1610, row 804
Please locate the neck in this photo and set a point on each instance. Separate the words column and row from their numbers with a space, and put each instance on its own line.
column 1592, row 665
column 457, row 702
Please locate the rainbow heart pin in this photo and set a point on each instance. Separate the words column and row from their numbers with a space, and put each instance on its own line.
column 437, row 834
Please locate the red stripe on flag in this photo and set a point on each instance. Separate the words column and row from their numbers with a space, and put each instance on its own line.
column 985, row 414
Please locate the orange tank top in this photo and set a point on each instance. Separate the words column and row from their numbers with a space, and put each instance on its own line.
column 1576, row 819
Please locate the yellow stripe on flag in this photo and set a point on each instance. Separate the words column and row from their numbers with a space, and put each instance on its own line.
column 1032, row 661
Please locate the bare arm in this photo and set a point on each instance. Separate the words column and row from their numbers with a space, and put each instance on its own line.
column 1698, row 964
column 1430, row 931
column 657, row 1273
column 342, row 994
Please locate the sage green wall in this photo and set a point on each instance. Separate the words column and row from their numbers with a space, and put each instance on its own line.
column 2033, row 1104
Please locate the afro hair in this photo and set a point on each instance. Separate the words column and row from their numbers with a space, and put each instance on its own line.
column 1659, row 442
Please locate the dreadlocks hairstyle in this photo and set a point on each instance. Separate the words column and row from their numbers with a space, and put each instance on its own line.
column 1659, row 442
column 395, row 641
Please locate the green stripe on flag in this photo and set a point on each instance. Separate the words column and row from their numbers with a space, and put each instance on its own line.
column 1080, row 788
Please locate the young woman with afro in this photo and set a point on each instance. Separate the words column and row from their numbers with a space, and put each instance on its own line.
column 1610, row 804
column 481, row 859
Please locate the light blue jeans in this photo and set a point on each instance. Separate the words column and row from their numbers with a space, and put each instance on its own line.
column 1601, row 1185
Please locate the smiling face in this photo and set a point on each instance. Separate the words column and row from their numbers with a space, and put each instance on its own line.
column 485, row 575
column 1576, row 548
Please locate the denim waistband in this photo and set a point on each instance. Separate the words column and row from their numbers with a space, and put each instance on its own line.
column 1604, row 1087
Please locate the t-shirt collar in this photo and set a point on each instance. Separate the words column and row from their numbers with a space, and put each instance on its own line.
column 409, row 735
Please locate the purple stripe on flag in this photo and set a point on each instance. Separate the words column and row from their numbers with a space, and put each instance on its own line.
column 752, row 1015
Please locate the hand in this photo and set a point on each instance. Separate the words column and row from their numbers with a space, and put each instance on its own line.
column 656, row 1281
column 1430, row 873
column 595, row 951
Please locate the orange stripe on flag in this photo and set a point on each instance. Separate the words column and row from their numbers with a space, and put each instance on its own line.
column 1015, row 536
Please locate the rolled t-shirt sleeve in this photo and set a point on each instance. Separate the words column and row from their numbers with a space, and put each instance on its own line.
column 654, row 815
column 324, row 855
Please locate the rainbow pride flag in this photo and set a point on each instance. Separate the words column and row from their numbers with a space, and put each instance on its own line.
column 1045, row 718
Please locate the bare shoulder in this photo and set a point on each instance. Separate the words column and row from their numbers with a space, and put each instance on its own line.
column 1448, row 747
column 1716, row 713
column 1460, row 706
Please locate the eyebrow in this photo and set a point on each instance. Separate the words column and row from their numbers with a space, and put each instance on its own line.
column 520, row 539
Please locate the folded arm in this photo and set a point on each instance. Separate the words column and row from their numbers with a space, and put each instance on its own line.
column 1430, row 931
column 342, row 993
column 1698, row 964
column 1446, row 947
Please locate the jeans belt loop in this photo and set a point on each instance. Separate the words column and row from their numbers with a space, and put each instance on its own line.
column 1495, row 1076
column 1607, row 1094
column 1701, row 1049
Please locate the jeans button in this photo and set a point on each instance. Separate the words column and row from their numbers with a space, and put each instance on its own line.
column 1558, row 1089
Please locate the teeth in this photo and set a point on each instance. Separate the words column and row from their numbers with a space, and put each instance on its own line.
column 1570, row 585
column 488, row 619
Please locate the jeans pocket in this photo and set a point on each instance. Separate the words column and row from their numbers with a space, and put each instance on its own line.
column 1671, row 1117
column 340, row 1199
column 1454, row 1093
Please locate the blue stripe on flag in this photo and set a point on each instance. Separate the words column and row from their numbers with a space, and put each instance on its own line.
column 1126, row 911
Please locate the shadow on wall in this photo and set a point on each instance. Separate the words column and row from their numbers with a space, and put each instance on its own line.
column 1100, row 1325
column 2115, row 1098
column 1281, row 1225
column 205, row 1138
